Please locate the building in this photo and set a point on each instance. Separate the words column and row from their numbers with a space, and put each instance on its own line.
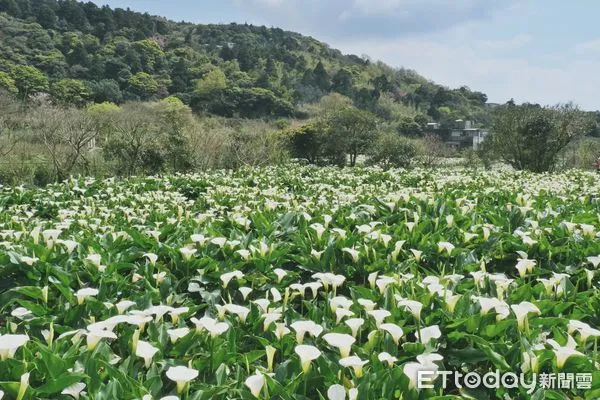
column 466, row 135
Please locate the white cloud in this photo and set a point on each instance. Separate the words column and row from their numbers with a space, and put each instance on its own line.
column 501, row 78
column 589, row 47
column 378, row 6
column 505, row 44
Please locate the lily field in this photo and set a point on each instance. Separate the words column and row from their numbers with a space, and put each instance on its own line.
column 298, row 282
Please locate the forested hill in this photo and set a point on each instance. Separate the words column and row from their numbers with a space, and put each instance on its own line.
column 79, row 53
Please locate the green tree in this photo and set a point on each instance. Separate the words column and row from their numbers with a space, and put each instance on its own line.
column 321, row 77
column 350, row 132
column 174, row 118
column 29, row 80
column 342, row 82
column 70, row 92
column 143, row 84
column 105, row 90
column 530, row 137
column 391, row 150
column 8, row 83
column 214, row 81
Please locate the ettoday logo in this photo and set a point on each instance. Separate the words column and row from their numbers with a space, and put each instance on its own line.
column 507, row 380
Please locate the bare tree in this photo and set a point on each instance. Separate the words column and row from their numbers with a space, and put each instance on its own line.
column 11, row 122
column 68, row 136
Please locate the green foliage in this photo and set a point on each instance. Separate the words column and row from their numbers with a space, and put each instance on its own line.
column 143, row 85
column 530, row 137
column 350, row 132
column 110, row 284
column 339, row 132
column 409, row 127
column 29, row 80
column 306, row 142
column 7, row 83
column 122, row 55
column 214, row 82
column 101, row 108
column 69, row 92
column 391, row 150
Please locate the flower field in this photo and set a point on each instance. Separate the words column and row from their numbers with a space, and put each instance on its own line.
column 299, row 283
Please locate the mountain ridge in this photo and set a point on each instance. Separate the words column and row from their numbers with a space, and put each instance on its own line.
column 81, row 53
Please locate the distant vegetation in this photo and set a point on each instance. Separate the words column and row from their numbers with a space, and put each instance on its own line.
column 81, row 53
column 96, row 91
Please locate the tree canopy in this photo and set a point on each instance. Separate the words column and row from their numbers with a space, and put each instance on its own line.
column 81, row 52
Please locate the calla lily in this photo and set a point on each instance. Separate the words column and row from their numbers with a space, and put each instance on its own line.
column 342, row 313
column 383, row 282
column 425, row 335
column 245, row 291
column 187, row 253
column 74, row 390
column 353, row 394
column 198, row 238
column 227, row 277
column 451, row 300
column 23, row 386
column 367, row 304
column 124, row 305
column 269, row 319
column 355, row 363
column 341, row 341
column 353, row 253
column 379, row 316
column 21, row 313
column 241, row 311
column 387, row 357
column 95, row 336
column 302, row 327
column 429, row 358
column 584, row 330
column 445, row 246
column 530, row 363
column 151, row 258
column 394, row 330
column 213, row 327
column 354, row 324
column 84, row 293
column 245, row 254
column 176, row 312
column 176, row 334
column 594, row 260
column 562, row 353
column 307, row 354
column 94, row 259
column 146, row 351
column 280, row 273
column 281, row 330
column 9, row 344
column 255, row 383
column 336, row 392
column 521, row 310
column 219, row 241
column 181, row 375
column 412, row 306
column 411, row 370
column 339, row 301
column 525, row 266
column 319, row 229
column 158, row 311
column 270, row 351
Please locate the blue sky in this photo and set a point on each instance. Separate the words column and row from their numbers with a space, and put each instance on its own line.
column 545, row 51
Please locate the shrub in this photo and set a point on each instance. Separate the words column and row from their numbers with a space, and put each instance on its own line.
column 392, row 150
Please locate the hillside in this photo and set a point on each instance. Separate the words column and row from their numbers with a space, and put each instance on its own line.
column 81, row 53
